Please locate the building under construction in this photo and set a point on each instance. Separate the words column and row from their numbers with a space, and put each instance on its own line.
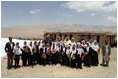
column 100, row 37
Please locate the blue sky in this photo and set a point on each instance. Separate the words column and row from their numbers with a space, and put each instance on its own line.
column 16, row 13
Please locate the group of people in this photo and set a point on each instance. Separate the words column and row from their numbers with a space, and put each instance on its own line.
column 67, row 53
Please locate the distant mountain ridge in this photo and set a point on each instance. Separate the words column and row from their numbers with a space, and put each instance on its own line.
column 37, row 31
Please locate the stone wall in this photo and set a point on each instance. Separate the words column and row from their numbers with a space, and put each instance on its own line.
column 100, row 37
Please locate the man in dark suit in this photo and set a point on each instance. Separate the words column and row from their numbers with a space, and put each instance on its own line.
column 9, row 50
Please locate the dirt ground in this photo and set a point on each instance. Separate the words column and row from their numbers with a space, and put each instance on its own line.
column 58, row 71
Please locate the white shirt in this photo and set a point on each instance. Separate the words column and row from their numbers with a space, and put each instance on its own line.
column 30, row 48
column 11, row 45
column 53, row 48
column 41, row 44
column 67, row 51
column 43, row 49
column 78, row 43
column 95, row 47
column 83, row 45
column 58, row 48
column 80, row 51
column 67, row 42
column 34, row 46
column 64, row 49
column 59, row 42
column 107, row 48
column 73, row 52
column 39, row 47
column 17, row 50
column 72, row 43
column 91, row 44
column 87, row 48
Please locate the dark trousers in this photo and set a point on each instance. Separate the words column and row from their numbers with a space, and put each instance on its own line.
column 9, row 60
column 31, row 60
column 48, row 59
column 79, row 63
column 53, row 59
column 27, row 59
column 39, row 59
column 73, row 63
column 17, row 59
column 95, row 59
column 43, row 61
column 35, row 58
column 67, row 61
column 24, row 60
column 63, row 62
column 88, row 60
column 58, row 58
